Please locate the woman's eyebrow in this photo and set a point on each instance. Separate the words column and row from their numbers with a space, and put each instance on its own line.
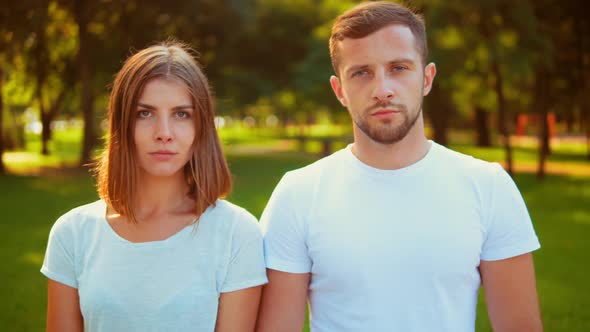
column 183, row 107
column 150, row 107
column 146, row 106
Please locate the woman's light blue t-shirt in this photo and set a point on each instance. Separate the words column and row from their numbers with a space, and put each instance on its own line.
column 168, row 285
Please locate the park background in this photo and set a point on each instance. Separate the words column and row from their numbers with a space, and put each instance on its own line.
column 512, row 86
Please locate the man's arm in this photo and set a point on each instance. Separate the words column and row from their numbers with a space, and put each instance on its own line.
column 511, row 294
column 284, row 300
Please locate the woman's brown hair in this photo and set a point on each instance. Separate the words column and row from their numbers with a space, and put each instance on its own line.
column 206, row 173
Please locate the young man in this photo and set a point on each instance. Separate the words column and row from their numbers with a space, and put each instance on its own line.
column 394, row 232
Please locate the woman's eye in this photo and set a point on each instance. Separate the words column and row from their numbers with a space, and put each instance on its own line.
column 183, row 114
column 144, row 114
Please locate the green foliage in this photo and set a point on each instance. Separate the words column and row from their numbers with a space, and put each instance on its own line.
column 17, row 88
column 466, row 37
column 257, row 49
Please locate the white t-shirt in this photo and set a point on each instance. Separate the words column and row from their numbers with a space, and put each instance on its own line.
column 168, row 285
column 395, row 250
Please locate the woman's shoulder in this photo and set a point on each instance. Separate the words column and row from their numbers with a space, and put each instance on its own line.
column 231, row 217
column 80, row 218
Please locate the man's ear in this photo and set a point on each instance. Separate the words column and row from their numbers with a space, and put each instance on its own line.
column 429, row 73
column 337, row 88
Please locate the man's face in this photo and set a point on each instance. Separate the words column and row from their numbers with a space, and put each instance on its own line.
column 382, row 82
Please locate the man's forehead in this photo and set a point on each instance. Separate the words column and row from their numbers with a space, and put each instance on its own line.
column 393, row 36
column 387, row 44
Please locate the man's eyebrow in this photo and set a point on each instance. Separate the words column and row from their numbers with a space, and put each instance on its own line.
column 402, row 60
column 409, row 61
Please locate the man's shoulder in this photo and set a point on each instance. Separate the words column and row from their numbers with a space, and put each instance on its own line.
column 465, row 164
column 318, row 168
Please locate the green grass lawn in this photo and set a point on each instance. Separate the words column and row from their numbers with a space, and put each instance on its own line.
column 559, row 206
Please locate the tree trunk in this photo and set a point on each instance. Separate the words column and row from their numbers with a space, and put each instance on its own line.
column 47, row 118
column 502, row 126
column 41, row 64
column 486, row 28
column 439, row 114
column 583, row 26
column 482, row 127
column 570, row 118
column 45, row 132
column 2, row 168
column 283, row 117
column 543, row 144
column 85, row 71
column 586, row 119
column 541, row 108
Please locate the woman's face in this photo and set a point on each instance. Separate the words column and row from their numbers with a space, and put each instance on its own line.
column 164, row 128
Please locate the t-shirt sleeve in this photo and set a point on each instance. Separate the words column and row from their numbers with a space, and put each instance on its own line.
column 509, row 230
column 284, row 231
column 246, row 265
column 59, row 262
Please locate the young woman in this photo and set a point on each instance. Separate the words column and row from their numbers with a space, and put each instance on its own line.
column 160, row 251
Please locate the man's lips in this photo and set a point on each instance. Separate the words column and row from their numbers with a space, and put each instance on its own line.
column 385, row 113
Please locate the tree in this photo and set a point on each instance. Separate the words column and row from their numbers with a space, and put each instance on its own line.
column 582, row 32
column 287, row 53
column 109, row 31
column 2, row 167
column 565, row 46
column 446, row 51
column 493, row 39
column 310, row 75
column 12, row 37
column 82, row 15
column 547, row 13
column 52, row 56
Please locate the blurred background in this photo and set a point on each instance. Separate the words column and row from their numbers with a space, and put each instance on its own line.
column 513, row 86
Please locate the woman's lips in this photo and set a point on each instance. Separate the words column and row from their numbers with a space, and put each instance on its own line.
column 163, row 155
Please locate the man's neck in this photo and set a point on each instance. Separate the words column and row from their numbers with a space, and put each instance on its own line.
column 412, row 148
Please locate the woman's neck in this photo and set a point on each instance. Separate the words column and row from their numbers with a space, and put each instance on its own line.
column 161, row 195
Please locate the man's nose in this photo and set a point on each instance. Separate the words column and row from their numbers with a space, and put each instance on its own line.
column 383, row 90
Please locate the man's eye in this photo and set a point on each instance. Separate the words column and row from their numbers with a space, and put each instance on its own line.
column 360, row 73
column 398, row 68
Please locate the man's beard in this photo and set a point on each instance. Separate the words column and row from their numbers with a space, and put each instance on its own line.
column 385, row 132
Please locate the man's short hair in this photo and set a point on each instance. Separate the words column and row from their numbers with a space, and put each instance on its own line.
column 366, row 18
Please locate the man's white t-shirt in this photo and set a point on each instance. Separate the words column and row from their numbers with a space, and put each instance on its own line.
column 395, row 250
column 169, row 285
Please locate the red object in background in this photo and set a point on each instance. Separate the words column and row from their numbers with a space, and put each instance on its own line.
column 522, row 120
column 551, row 124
